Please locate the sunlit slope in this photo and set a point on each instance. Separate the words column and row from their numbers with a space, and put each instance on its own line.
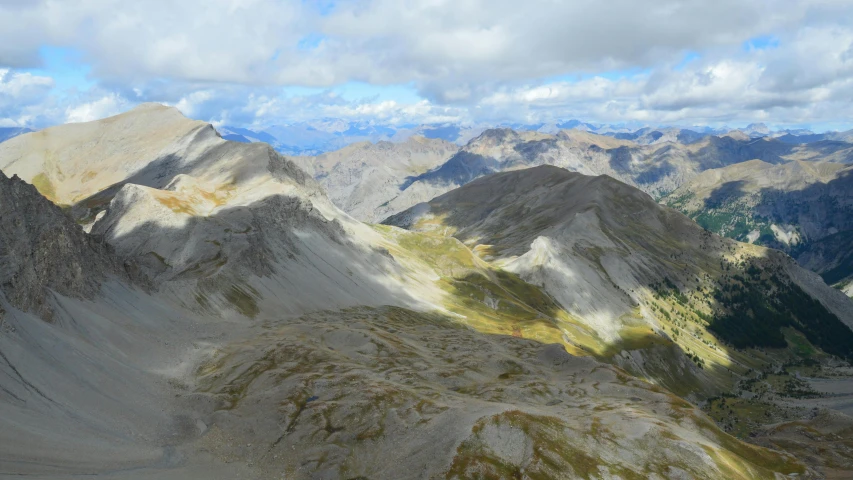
column 68, row 163
column 619, row 263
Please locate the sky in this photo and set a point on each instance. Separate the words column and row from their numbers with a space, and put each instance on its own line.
column 256, row 63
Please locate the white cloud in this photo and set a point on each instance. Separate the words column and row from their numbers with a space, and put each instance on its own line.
column 189, row 104
column 108, row 105
column 433, row 42
column 22, row 85
column 22, row 96
column 469, row 60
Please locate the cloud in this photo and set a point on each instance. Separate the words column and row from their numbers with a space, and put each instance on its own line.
column 22, row 97
column 256, row 62
column 108, row 105
column 383, row 41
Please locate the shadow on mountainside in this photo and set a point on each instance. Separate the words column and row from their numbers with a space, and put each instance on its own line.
column 644, row 165
column 460, row 169
column 829, row 147
column 278, row 251
column 729, row 189
column 821, row 214
column 531, row 150
column 733, row 151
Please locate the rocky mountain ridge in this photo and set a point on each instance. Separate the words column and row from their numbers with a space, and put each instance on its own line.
column 44, row 251
column 657, row 162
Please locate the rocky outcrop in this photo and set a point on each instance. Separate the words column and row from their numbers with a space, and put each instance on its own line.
column 42, row 250
column 366, row 179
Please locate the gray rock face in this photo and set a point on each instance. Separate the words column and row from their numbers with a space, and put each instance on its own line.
column 366, row 179
column 43, row 250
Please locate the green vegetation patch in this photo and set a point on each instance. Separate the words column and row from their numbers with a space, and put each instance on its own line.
column 45, row 186
column 243, row 299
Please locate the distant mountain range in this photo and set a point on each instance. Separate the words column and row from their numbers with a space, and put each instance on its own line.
column 313, row 138
column 329, row 134
column 10, row 132
column 656, row 161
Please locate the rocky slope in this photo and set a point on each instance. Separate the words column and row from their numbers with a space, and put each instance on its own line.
column 232, row 225
column 42, row 251
column 803, row 208
column 360, row 178
column 265, row 332
column 409, row 395
column 616, row 260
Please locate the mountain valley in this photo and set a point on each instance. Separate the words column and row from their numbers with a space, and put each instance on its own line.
column 802, row 208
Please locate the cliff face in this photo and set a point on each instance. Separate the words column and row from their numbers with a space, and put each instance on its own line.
column 43, row 250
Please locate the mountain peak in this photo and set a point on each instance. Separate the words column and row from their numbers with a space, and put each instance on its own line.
column 149, row 106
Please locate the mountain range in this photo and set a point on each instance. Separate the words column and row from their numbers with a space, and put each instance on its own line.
column 313, row 138
column 657, row 168
column 329, row 134
column 177, row 305
column 318, row 137
column 673, row 168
